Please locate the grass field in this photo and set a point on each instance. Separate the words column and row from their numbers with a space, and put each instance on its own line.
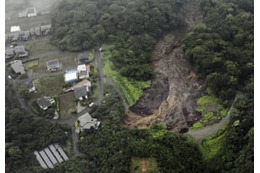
column 31, row 64
column 67, row 105
column 212, row 145
column 68, row 60
column 143, row 165
column 49, row 86
column 132, row 89
column 40, row 47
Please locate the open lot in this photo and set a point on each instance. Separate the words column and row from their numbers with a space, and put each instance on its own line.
column 67, row 105
column 40, row 47
column 49, row 86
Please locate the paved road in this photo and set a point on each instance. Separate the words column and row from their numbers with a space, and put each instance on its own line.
column 205, row 132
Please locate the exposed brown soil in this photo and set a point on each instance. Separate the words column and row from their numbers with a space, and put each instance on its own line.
column 175, row 87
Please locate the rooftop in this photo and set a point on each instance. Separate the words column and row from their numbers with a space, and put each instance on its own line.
column 17, row 66
column 71, row 75
column 87, row 122
column 15, row 28
column 80, row 92
column 45, row 102
column 19, row 49
column 30, row 10
column 53, row 64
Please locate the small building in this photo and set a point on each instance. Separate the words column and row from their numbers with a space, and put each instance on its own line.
column 14, row 36
column 45, row 29
column 71, row 76
column 30, row 85
column 35, row 31
column 81, row 92
column 84, row 82
column 20, row 51
column 53, row 65
column 45, row 102
column 22, row 14
column 83, row 71
column 31, row 12
column 24, row 35
column 86, row 122
column 17, row 66
column 15, row 28
column 9, row 53
column 83, row 58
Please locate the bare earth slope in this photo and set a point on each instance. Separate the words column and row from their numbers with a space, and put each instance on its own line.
column 171, row 99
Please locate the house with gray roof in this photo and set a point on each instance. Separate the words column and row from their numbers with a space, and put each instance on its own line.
column 53, row 65
column 45, row 102
column 20, row 51
column 83, row 58
column 86, row 122
column 17, row 66
column 9, row 53
column 81, row 92
column 31, row 12
column 30, row 85
column 45, row 29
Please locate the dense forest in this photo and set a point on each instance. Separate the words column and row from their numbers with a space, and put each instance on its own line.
column 131, row 26
column 222, row 51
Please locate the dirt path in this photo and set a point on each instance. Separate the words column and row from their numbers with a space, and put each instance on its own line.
column 175, row 87
column 203, row 133
column 144, row 165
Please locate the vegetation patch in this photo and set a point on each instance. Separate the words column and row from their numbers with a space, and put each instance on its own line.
column 211, row 146
column 49, row 86
column 31, row 64
column 40, row 47
column 211, row 110
column 144, row 165
column 131, row 89
column 67, row 105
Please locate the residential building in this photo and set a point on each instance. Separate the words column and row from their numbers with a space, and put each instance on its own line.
column 81, row 92
column 71, row 76
column 83, row 71
column 53, row 65
column 86, row 122
column 9, row 53
column 45, row 102
column 15, row 28
column 30, row 85
column 31, row 12
column 17, row 66
column 22, row 14
column 83, row 58
column 45, row 29
column 20, row 51
column 80, row 84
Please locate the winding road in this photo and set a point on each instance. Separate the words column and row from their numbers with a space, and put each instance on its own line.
column 205, row 132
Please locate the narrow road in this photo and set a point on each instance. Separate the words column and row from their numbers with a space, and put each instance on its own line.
column 98, row 56
column 209, row 130
column 111, row 82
